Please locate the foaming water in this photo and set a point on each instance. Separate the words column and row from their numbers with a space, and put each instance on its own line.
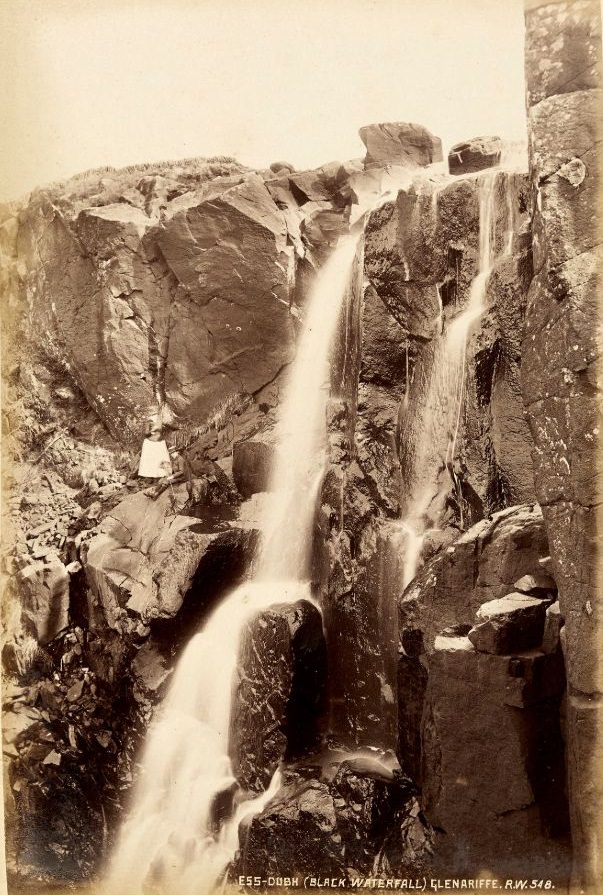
column 436, row 427
column 172, row 840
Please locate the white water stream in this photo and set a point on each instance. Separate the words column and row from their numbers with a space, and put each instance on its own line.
column 169, row 842
column 436, row 427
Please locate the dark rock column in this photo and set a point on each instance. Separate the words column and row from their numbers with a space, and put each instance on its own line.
column 278, row 698
column 352, row 562
column 561, row 367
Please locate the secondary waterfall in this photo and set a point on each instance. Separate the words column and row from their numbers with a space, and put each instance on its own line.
column 169, row 842
column 434, row 430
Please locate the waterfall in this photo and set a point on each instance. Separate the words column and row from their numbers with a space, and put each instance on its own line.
column 301, row 429
column 169, row 841
column 435, row 428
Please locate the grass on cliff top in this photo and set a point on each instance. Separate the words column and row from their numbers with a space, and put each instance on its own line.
column 105, row 185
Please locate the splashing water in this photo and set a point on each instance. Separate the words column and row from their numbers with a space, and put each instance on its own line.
column 170, row 840
column 434, row 431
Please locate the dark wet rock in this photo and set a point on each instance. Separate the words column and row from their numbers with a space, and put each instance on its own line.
column 352, row 541
column 252, row 462
column 280, row 691
column 412, row 684
column 400, row 143
column 474, row 155
column 376, row 444
column 365, row 819
column 411, row 301
column 362, row 569
column 384, row 344
column 509, row 624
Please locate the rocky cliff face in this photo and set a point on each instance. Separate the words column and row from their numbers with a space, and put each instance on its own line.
column 159, row 304
column 561, row 373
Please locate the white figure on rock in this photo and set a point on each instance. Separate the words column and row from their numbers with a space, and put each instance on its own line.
column 155, row 460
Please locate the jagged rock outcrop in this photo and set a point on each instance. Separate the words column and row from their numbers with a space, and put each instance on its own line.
column 279, row 702
column 561, row 372
column 485, row 563
column 400, row 143
column 474, row 155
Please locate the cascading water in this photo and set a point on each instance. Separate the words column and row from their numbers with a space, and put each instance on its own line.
column 169, row 840
column 434, row 431
column 301, row 429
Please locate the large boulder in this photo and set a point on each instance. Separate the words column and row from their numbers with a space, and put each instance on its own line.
column 359, row 818
column 509, row 624
column 474, row 155
column 279, row 691
column 400, row 143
